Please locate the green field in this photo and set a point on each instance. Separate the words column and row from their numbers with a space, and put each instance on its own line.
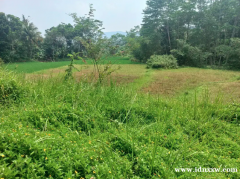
column 145, row 124
column 30, row 67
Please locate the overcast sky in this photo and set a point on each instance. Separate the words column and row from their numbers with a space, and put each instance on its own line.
column 117, row 15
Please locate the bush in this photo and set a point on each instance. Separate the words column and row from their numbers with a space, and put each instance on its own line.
column 1, row 62
column 11, row 88
column 162, row 61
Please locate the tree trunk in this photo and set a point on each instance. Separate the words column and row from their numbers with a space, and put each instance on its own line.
column 169, row 38
column 219, row 63
column 234, row 27
column 31, row 52
column 187, row 32
column 53, row 55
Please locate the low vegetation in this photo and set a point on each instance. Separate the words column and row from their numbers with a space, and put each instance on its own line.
column 1, row 62
column 162, row 61
column 51, row 128
column 30, row 67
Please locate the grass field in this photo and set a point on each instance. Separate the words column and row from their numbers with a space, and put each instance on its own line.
column 167, row 83
column 146, row 125
column 30, row 67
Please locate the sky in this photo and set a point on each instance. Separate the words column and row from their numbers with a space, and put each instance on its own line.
column 117, row 15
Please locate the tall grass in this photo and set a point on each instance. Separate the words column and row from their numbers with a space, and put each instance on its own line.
column 58, row 129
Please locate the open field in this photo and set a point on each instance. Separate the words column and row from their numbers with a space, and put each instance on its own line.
column 30, row 67
column 145, row 126
column 167, row 83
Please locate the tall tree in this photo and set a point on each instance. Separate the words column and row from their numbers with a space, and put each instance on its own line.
column 87, row 27
column 202, row 26
column 58, row 41
column 31, row 35
column 11, row 44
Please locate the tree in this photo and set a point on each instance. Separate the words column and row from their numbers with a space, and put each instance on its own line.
column 87, row 27
column 119, row 41
column 92, row 45
column 11, row 45
column 133, row 47
column 157, row 23
column 31, row 35
column 234, row 59
column 206, row 26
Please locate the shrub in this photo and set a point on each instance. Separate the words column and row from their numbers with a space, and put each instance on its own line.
column 162, row 61
column 11, row 88
column 1, row 62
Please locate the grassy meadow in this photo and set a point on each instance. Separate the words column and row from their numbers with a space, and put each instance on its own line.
column 31, row 67
column 141, row 123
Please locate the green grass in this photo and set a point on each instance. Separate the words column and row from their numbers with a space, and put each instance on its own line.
column 31, row 67
column 55, row 129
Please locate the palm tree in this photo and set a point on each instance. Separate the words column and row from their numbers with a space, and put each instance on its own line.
column 31, row 34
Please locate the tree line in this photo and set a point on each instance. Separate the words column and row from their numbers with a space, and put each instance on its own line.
column 20, row 39
column 197, row 32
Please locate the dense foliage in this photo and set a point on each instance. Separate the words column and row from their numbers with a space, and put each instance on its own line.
column 21, row 41
column 11, row 89
column 1, row 62
column 197, row 32
column 162, row 61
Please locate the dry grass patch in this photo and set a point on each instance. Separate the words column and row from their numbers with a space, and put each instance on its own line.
column 116, row 78
column 126, row 74
column 228, row 91
column 171, row 82
column 123, row 79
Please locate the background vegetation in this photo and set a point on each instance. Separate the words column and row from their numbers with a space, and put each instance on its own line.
column 198, row 33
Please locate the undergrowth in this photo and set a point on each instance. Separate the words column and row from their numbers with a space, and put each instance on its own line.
column 65, row 129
